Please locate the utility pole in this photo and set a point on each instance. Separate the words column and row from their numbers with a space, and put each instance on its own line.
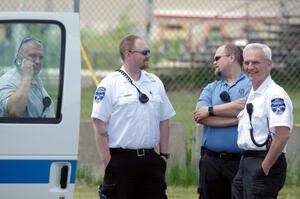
column 149, row 20
column 247, row 22
column 77, row 6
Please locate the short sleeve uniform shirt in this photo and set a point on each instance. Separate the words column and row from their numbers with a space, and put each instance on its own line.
column 272, row 107
column 131, row 124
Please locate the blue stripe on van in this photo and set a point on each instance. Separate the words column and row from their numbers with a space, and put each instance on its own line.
column 30, row 171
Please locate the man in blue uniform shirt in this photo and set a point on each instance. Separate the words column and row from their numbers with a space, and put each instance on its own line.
column 217, row 108
column 263, row 131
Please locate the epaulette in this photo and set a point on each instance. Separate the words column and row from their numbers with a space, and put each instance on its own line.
column 151, row 77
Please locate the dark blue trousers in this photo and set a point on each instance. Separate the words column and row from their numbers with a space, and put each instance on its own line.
column 252, row 183
column 129, row 176
column 216, row 176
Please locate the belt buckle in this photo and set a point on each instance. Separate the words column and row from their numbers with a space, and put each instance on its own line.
column 140, row 152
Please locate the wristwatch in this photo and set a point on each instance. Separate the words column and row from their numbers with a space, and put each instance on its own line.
column 211, row 110
column 166, row 155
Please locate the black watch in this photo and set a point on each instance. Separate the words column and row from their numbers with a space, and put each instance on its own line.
column 211, row 110
column 166, row 155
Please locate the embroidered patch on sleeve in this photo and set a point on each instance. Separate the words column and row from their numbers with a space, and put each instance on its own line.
column 278, row 105
column 100, row 93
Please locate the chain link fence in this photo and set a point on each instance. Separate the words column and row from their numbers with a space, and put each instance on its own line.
column 183, row 36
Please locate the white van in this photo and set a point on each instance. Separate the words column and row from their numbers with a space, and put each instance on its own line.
column 38, row 150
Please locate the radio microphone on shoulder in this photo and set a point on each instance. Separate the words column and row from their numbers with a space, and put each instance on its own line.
column 46, row 104
column 225, row 96
column 249, row 108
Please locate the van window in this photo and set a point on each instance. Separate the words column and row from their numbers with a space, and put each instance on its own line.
column 31, row 71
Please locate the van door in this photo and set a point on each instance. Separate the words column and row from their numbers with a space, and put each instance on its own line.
column 39, row 140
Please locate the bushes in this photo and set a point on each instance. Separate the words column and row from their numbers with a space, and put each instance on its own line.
column 176, row 79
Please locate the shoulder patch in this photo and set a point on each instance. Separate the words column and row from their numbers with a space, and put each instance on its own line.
column 278, row 105
column 99, row 95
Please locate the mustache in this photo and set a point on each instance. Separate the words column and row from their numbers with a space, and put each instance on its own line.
column 147, row 58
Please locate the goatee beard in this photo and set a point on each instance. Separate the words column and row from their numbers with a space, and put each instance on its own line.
column 218, row 73
column 144, row 66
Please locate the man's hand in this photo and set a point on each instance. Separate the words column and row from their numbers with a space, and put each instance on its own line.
column 27, row 69
column 201, row 113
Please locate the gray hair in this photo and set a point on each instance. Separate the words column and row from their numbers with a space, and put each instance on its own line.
column 267, row 53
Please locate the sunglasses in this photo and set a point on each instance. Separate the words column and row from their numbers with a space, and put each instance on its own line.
column 145, row 52
column 219, row 57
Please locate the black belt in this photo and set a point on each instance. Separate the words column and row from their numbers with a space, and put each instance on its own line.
column 221, row 155
column 137, row 152
column 257, row 154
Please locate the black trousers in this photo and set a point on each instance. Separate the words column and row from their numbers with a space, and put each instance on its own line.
column 251, row 182
column 216, row 176
column 131, row 176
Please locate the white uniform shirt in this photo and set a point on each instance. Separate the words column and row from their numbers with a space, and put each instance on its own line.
column 131, row 124
column 270, row 104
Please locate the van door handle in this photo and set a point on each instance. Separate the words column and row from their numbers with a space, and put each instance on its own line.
column 64, row 176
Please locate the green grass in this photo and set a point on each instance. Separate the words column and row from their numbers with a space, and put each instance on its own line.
column 176, row 175
column 295, row 96
column 87, row 95
column 177, row 192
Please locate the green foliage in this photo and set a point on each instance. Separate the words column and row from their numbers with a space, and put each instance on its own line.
column 289, row 175
column 177, row 175
column 287, row 77
column 173, row 48
column 85, row 174
column 87, row 95
column 103, row 49
column 49, row 34
column 187, row 79
column 293, row 175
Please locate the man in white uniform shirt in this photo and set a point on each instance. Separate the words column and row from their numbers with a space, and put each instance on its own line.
column 268, row 115
column 131, row 113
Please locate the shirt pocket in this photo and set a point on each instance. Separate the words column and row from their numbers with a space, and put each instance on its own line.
column 258, row 114
column 126, row 100
column 243, row 121
column 156, row 102
column 259, row 121
column 127, row 105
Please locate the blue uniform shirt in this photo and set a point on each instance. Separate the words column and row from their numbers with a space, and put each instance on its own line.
column 222, row 139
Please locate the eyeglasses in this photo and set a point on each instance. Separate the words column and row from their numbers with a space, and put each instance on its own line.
column 219, row 57
column 145, row 52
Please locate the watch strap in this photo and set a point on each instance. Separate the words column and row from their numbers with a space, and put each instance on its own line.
column 166, row 155
column 211, row 110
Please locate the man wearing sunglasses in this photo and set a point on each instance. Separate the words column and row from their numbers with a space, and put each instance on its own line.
column 217, row 108
column 131, row 113
column 21, row 90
